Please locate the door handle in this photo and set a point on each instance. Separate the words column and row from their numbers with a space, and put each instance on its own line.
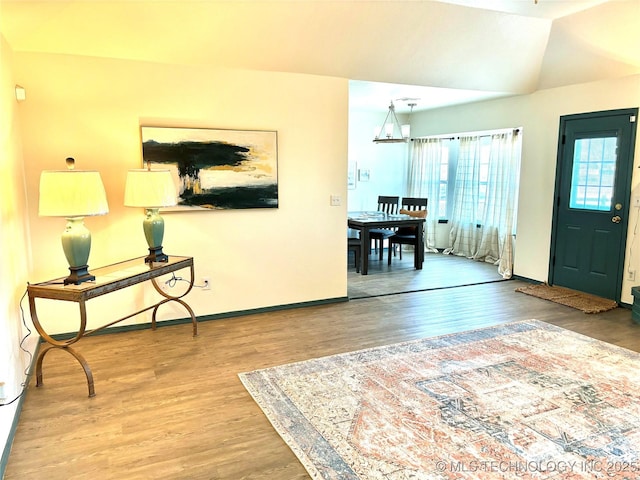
column 616, row 219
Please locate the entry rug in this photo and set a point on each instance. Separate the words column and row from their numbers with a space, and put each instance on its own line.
column 571, row 298
column 524, row 400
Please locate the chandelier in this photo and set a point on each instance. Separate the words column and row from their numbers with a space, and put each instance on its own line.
column 390, row 127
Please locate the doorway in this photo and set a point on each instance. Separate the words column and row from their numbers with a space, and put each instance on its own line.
column 592, row 201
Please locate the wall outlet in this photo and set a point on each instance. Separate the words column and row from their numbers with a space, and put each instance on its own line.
column 206, row 283
column 335, row 200
column 636, row 201
column 631, row 275
column 2, row 397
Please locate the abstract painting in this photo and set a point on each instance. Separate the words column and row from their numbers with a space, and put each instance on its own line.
column 216, row 169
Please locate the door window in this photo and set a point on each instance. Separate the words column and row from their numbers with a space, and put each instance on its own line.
column 593, row 176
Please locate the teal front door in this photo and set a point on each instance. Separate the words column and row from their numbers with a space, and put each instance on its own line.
column 592, row 201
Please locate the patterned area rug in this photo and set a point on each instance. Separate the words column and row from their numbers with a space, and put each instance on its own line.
column 525, row 400
column 571, row 298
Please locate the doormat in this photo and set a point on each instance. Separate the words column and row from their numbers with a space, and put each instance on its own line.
column 525, row 400
column 571, row 298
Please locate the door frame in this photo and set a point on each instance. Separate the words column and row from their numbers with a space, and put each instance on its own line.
column 631, row 112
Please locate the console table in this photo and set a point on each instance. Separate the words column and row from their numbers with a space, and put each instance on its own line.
column 108, row 279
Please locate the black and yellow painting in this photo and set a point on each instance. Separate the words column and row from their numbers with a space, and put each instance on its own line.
column 216, row 169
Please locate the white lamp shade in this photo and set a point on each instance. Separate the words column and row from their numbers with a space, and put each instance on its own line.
column 72, row 193
column 150, row 189
column 388, row 130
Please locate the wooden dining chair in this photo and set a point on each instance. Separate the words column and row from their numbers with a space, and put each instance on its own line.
column 354, row 245
column 416, row 207
column 388, row 205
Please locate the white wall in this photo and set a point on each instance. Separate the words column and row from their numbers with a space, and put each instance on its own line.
column 387, row 163
column 539, row 115
column 14, row 245
column 91, row 109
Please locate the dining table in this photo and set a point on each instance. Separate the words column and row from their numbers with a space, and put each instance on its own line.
column 367, row 220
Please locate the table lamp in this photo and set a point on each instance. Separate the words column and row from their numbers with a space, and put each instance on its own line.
column 73, row 194
column 152, row 190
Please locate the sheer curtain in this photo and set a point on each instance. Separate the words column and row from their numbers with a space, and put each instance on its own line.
column 424, row 182
column 485, row 199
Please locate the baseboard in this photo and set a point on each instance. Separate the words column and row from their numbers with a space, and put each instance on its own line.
column 525, row 279
column 290, row 306
column 205, row 318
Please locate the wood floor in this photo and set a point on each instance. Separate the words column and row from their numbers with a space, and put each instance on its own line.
column 439, row 271
column 170, row 406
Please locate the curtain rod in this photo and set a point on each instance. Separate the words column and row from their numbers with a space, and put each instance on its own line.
column 439, row 138
column 515, row 131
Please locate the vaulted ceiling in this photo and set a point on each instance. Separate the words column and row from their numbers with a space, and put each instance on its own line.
column 510, row 47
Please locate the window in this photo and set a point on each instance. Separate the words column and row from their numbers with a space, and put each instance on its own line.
column 451, row 172
column 594, row 169
column 443, row 186
column 483, row 177
column 472, row 185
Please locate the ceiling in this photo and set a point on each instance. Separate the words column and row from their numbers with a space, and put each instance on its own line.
column 550, row 9
column 437, row 52
column 376, row 96
column 372, row 95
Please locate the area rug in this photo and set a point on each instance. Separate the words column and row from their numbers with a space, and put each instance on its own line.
column 524, row 400
column 571, row 298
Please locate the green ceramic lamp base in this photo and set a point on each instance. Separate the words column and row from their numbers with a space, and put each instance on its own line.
column 153, row 226
column 76, row 243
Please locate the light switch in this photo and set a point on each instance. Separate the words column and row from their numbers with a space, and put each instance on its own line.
column 21, row 93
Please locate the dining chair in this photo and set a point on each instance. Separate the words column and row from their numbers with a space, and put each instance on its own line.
column 353, row 245
column 416, row 207
column 388, row 205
